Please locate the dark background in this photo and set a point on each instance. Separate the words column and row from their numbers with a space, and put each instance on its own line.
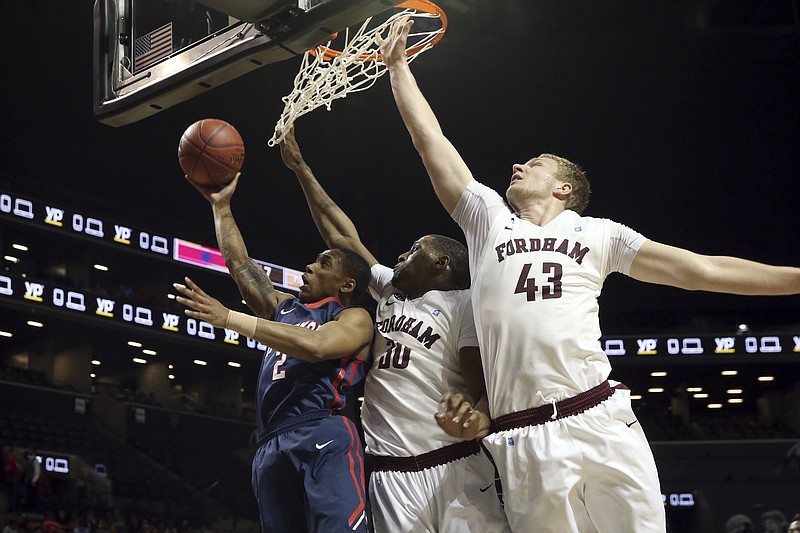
column 685, row 115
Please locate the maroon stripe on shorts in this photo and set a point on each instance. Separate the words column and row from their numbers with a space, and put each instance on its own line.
column 416, row 463
column 565, row 408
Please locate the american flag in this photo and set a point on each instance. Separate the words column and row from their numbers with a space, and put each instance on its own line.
column 149, row 48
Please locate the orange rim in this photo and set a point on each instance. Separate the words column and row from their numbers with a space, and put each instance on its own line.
column 425, row 6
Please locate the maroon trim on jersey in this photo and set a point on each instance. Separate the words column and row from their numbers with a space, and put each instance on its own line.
column 416, row 463
column 563, row 409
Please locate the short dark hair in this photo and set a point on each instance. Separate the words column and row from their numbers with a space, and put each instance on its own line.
column 575, row 176
column 459, row 260
column 357, row 268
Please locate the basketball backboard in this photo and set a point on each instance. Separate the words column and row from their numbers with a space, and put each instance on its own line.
column 152, row 54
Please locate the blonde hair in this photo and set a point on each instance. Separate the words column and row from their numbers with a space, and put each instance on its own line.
column 573, row 174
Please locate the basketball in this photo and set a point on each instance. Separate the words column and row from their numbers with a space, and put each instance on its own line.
column 211, row 152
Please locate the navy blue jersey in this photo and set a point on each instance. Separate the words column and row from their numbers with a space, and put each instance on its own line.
column 288, row 387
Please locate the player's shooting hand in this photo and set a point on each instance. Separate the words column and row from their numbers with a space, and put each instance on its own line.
column 200, row 305
column 290, row 151
column 393, row 47
column 458, row 418
column 217, row 194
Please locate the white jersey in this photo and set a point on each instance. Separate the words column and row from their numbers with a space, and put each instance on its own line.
column 415, row 361
column 542, row 281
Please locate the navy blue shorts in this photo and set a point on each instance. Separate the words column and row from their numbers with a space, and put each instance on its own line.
column 311, row 478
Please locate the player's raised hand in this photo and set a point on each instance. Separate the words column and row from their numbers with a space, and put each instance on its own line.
column 200, row 305
column 458, row 418
column 393, row 47
column 217, row 194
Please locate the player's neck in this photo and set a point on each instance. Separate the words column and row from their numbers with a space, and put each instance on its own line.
column 540, row 213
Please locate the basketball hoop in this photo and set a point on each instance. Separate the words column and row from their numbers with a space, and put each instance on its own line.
column 327, row 73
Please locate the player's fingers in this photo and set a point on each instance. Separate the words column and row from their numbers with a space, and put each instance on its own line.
column 443, row 403
column 195, row 288
column 462, row 412
column 454, row 401
column 473, row 418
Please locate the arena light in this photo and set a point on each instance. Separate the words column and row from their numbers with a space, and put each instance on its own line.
column 234, row 364
column 735, row 400
column 11, row 258
column 730, row 372
column 715, row 406
column 35, row 324
column 135, row 344
column 700, row 395
column 140, row 360
column 20, row 247
column 96, row 362
column 102, row 268
column 766, row 378
column 636, row 396
column 655, row 389
column 171, row 376
column 200, row 362
column 149, row 352
column 694, row 389
column 6, row 334
column 92, row 375
column 658, row 374
column 734, row 391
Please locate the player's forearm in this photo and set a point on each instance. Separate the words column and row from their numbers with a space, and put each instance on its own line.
column 300, row 343
column 740, row 276
column 335, row 227
column 417, row 115
column 253, row 282
column 448, row 172
column 229, row 238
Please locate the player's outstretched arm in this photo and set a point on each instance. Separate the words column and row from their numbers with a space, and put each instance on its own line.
column 253, row 282
column 668, row 265
column 336, row 228
column 350, row 333
column 447, row 170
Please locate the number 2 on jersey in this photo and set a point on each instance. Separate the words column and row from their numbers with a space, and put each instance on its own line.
column 277, row 373
column 551, row 288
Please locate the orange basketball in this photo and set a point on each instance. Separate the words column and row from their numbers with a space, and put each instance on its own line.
column 211, row 152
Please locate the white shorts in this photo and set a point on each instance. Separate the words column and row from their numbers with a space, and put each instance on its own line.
column 591, row 472
column 457, row 497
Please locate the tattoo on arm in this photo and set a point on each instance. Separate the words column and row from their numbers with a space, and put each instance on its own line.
column 254, row 286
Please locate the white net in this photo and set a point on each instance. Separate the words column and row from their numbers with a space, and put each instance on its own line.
column 326, row 75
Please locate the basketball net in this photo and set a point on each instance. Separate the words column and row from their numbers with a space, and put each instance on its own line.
column 326, row 74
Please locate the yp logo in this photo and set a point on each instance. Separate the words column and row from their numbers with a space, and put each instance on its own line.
column 34, row 291
column 170, row 322
column 647, row 346
column 105, row 307
column 54, row 216
column 122, row 234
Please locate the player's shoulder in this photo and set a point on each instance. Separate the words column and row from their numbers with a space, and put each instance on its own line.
column 588, row 222
column 453, row 299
